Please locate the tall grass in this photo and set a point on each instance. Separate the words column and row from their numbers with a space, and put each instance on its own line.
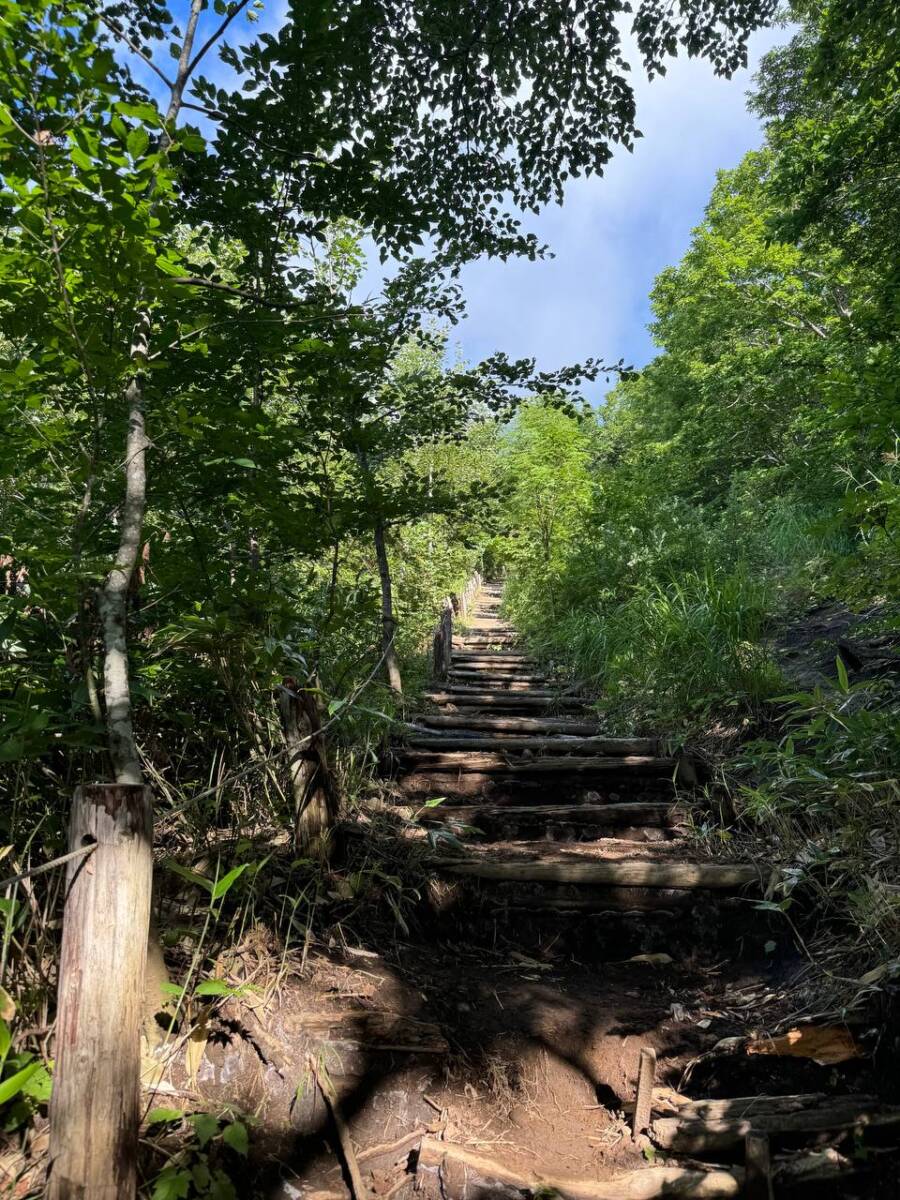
column 673, row 650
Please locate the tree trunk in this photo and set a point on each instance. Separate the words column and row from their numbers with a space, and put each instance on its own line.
column 315, row 800
column 113, row 598
column 388, row 623
column 94, row 1110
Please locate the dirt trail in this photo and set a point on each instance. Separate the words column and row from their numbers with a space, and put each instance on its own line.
column 581, row 926
column 567, row 924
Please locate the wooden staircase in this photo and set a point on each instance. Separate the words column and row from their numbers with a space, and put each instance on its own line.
column 544, row 810
column 560, row 870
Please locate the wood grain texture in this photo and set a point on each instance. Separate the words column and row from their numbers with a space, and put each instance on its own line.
column 94, row 1111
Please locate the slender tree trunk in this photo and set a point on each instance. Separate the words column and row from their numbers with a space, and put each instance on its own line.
column 388, row 622
column 95, row 1107
column 113, row 599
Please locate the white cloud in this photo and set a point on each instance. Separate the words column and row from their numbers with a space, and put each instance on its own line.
column 613, row 235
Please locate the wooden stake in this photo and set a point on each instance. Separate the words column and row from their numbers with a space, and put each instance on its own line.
column 326, row 1087
column 643, row 1100
column 758, row 1166
column 94, row 1110
column 315, row 797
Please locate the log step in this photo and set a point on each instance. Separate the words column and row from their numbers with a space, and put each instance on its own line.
column 535, row 725
column 560, row 744
column 710, row 1135
column 471, row 689
column 509, row 701
column 506, row 683
column 633, row 813
column 498, row 671
column 476, row 641
column 622, row 872
column 513, row 657
column 488, row 764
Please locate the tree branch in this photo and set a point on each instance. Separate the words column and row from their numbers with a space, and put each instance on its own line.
column 211, row 41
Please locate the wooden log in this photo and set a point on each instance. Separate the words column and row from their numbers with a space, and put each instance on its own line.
column 643, row 1098
column 486, row 764
column 542, row 745
column 485, row 641
column 637, row 813
column 501, row 676
column 758, row 1167
column 497, row 666
column 502, row 683
column 514, row 658
column 658, row 902
column 465, row 689
column 616, row 872
column 643, row 1184
column 700, row 1137
column 537, row 725
column 510, row 700
column 94, row 1109
column 375, row 1030
column 747, row 1106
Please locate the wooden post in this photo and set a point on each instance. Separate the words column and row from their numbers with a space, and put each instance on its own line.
column 758, row 1163
column 447, row 624
column 315, row 801
column 442, row 644
column 94, row 1110
column 643, row 1101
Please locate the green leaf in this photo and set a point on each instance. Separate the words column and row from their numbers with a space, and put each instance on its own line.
column 205, row 1127
column 191, row 140
column 189, row 875
column 16, row 1083
column 235, row 1136
column 843, row 678
column 223, row 885
column 137, row 143
column 215, row 987
column 244, row 462
column 80, row 159
column 172, row 1184
column 168, row 267
column 40, row 1086
column 156, row 1116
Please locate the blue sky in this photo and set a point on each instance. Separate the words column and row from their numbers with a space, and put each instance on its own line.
column 613, row 235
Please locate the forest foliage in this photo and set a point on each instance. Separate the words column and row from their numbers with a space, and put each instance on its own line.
column 222, row 468
column 750, row 473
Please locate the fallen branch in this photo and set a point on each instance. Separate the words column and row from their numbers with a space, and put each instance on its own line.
column 645, row 1184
